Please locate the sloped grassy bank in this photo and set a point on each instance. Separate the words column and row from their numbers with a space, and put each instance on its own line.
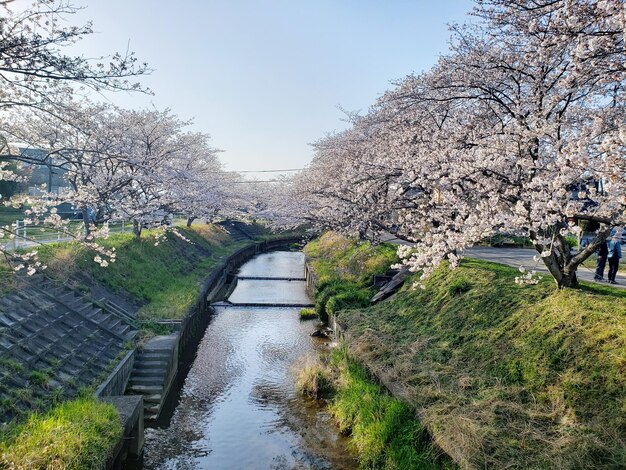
column 503, row 376
column 344, row 270
column 163, row 279
column 385, row 432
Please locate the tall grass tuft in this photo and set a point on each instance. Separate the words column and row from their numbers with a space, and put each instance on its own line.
column 76, row 435
column 384, row 430
column 307, row 314
column 313, row 379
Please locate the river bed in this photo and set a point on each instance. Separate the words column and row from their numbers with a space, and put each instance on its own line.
column 238, row 407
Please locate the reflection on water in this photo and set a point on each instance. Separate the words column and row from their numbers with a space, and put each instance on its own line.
column 269, row 292
column 275, row 264
column 238, row 408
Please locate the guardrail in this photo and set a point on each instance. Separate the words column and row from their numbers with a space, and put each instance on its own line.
column 25, row 235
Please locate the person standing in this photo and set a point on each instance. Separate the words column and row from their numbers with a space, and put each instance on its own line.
column 614, row 255
column 603, row 251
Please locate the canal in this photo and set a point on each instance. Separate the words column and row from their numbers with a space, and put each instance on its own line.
column 238, row 407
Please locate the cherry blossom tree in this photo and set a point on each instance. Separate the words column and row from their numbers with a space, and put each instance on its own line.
column 35, row 72
column 273, row 202
column 526, row 110
column 36, row 75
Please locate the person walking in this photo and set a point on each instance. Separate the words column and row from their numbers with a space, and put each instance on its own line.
column 603, row 251
column 614, row 255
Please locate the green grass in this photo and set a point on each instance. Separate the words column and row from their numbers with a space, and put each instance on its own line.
column 75, row 435
column 335, row 295
column 504, row 375
column 164, row 278
column 314, row 379
column 11, row 364
column 38, row 377
column 334, row 257
column 307, row 314
column 345, row 269
column 384, row 430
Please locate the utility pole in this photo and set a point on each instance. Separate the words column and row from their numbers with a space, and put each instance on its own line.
column 49, row 164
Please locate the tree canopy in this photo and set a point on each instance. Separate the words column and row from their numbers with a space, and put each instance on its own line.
column 518, row 129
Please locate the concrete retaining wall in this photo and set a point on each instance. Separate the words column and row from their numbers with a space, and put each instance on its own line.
column 115, row 383
column 156, row 387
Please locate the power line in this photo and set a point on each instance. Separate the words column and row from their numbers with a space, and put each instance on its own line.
column 268, row 171
column 255, row 181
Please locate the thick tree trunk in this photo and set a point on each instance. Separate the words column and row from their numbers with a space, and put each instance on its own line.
column 561, row 263
column 137, row 228
column 190, row 220
column 86, row 222
column 569, row 279
column 100, row 216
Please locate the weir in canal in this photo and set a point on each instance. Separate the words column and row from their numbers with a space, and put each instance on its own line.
column 238, row 407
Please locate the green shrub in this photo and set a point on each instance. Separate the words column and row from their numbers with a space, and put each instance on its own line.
column 337, row 295
column 572, row 242
column 351, row 297
column 322, row 297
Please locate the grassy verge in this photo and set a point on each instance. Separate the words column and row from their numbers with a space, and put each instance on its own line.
column 78, row 434
column 163, row 278
column 384, row 431
column 344, row 269
column 334, row 257
column 503, row 375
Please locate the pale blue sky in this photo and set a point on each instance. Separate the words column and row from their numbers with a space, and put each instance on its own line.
column 265, row 78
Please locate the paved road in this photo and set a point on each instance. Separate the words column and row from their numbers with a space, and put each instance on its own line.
column 517, row 257
column 524, row 257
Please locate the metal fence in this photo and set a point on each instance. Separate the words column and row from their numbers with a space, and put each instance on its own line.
column 26, row 236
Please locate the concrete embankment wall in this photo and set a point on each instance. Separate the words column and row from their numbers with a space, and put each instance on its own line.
column 156, row 367
column 182, row 345
column 54, row 340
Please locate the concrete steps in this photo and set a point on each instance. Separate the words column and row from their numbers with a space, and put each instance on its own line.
column 236, row 230
column 153, row 373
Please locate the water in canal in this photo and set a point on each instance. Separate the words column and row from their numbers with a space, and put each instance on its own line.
column 238, row 408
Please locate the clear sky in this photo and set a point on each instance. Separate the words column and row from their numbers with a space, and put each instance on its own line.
column 266, row 78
